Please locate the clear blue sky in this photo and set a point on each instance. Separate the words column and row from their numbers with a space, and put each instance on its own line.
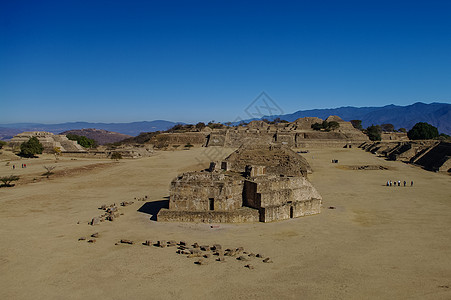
column 189, row 61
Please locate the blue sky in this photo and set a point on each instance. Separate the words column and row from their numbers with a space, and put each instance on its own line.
column 189, row 61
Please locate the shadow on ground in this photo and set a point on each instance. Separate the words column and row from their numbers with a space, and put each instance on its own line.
column 153, row 208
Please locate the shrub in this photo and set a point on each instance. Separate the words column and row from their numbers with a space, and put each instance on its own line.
column 82, row 140
column 423, row 131
column 7, row 180
column 374, row 132
column 31, row 147
column 357, row 124
column 116, row 155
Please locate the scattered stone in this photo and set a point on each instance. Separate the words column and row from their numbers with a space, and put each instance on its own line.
column 221, row 258
column 205, row 248
column 196, row 245
column 243, row 258
column 92, row 241
column 162, row 244
column 250, row 267
column 125, row 203
column 95, row 235
column 194, row 255
column 95, row 221
column 172, row 243
column 267, row 260
column 195, row 250
column 147, row 243
column 182, row 243
column 82, row 238
column 331, row 207
column 252, row 255
column 127, row 242
column 231, row 252
column 200, row 262
column 216, row 247
column 207, row 255
column 259, row 255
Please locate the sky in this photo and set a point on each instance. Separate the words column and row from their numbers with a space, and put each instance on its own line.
column 191, row 61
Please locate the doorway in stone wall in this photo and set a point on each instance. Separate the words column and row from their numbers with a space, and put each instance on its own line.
column 211, row 202
column 291, row 212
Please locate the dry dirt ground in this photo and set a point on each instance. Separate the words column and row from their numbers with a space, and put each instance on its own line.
column 378, row 243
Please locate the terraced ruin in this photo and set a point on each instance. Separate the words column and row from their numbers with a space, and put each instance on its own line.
column 255, row 183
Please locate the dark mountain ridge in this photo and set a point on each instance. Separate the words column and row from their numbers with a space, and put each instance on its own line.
column 436, row 114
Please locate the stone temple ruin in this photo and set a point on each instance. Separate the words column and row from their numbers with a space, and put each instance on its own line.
column 48, row 140
column 255, row 183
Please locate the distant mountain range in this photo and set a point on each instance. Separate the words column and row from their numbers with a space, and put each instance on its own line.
column 9, row 130
column 436, row 114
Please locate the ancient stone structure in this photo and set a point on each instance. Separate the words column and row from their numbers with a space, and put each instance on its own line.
column 48, row 140
column 430, row 154
column 255, row 183
column 293, row 134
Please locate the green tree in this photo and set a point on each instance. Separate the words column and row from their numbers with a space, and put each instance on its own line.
column 200, row 125
column 388, row 127
column 357, row 124
column 327, row 126
column 374, row 132
column 422, row 131
column 402, row 130
column 332, row 125
column 82, row 140
column 2, row 143
column 31, row 147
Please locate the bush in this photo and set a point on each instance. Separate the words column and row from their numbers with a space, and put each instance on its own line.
column 388, row 127
column 357, row 124
column 374, row 132
column 2, row 144
column 327, row 126
column 7, row 180
column 423, row 131
column 82, row 140
column 31, row 147
column 116, row 155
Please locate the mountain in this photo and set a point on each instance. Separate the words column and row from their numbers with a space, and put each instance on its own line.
column 132, row 129
column 101, row 136
column 436, row 114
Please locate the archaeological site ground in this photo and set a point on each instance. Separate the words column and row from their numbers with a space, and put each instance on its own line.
column 171, row 224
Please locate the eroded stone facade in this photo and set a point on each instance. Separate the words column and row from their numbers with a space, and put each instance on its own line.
column 272, row 186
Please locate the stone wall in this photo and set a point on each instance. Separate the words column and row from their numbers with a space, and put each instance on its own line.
column 241, row 215
column 205, row 191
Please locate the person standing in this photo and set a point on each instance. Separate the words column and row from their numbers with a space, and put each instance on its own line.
column 405, row 183
column 411, row 183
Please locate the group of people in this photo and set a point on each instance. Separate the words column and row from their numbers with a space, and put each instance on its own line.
column 23, row 166
column 398, row 183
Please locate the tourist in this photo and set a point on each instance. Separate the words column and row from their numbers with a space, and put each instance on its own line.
column 399, row 182
column 411, row 183
column 405, row 183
